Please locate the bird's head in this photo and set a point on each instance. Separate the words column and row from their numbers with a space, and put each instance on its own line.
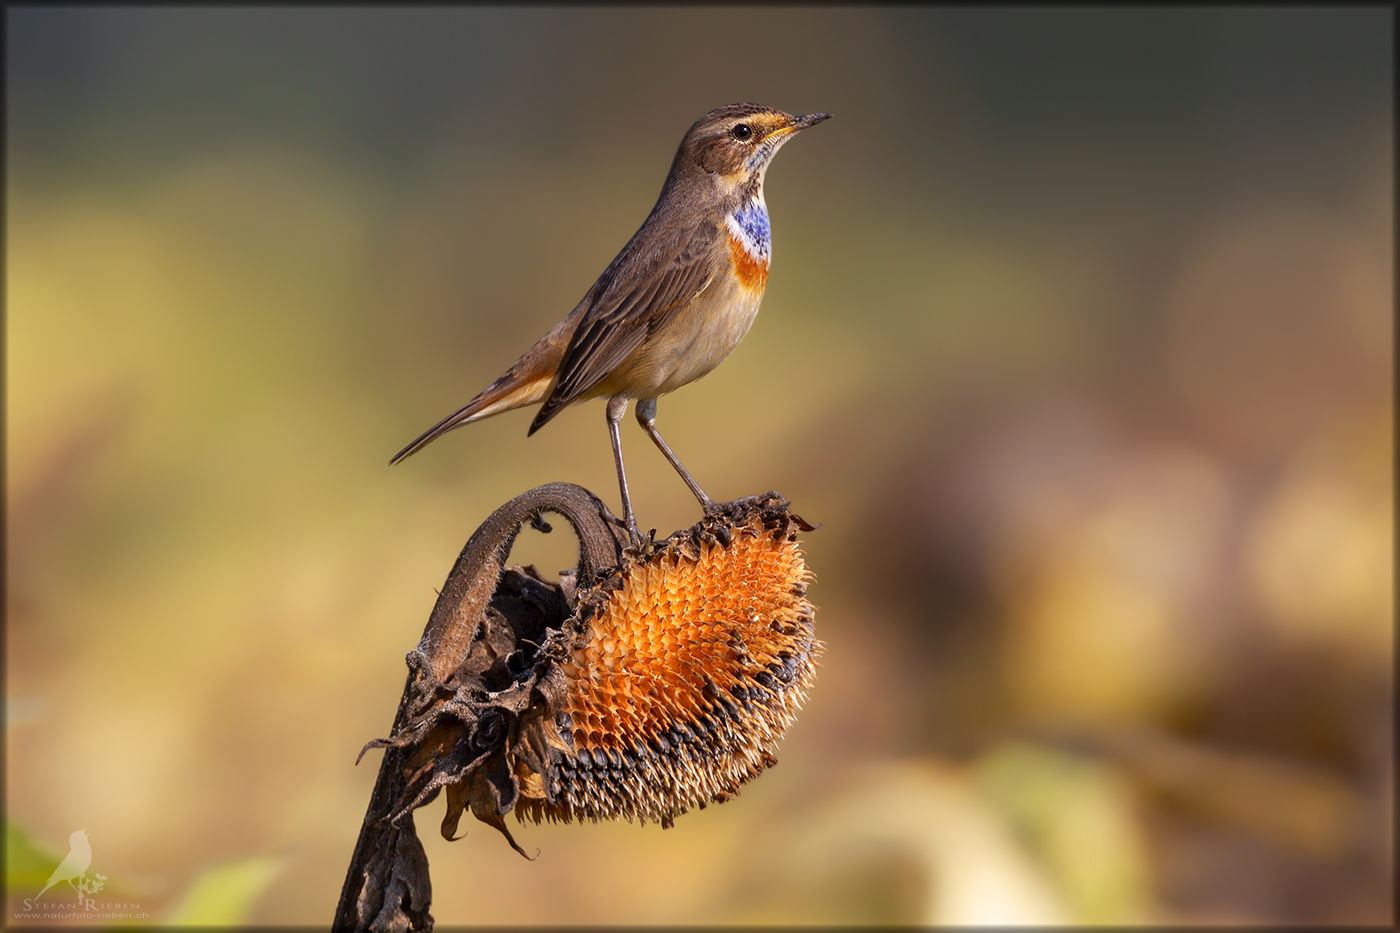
column 733, row 145
column 77, row 836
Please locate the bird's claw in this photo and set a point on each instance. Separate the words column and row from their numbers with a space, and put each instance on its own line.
column 634, row 535
column 713, row 509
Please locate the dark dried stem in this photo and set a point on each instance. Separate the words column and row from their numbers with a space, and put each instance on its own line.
column 387, row 885
column 461, row 607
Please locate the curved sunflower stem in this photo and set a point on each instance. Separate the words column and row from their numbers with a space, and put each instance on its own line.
column 387, row 885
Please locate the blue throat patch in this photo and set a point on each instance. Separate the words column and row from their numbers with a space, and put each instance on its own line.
column 752, row 218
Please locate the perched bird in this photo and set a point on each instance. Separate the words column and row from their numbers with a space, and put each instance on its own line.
column 673, row 304
column 75, row 865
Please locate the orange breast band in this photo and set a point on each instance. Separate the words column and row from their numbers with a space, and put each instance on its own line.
column 751, row 271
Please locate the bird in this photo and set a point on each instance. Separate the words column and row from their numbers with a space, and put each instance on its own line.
column 673, row 303
column 75, row 864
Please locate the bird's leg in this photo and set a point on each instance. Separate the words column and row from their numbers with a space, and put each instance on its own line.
column 617, row 407
column 646, row 417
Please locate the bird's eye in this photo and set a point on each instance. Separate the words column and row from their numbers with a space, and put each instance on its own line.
column 741, row 131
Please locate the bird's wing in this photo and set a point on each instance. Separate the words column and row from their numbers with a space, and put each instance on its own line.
column 628, row 305
column 68, row 868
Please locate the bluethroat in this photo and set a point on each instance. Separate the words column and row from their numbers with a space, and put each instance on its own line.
column 673, row 304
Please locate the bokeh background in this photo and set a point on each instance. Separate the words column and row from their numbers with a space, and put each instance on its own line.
column 1078, row 342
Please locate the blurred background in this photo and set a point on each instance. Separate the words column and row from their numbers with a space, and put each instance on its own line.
column 1078, row 342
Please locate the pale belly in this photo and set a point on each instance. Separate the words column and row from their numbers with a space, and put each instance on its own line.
column 691, row 344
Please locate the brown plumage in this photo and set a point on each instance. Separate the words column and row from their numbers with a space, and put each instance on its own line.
column 674, row 302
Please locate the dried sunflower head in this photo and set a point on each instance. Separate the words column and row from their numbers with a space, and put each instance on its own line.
column 685, row 674
column 646, row 684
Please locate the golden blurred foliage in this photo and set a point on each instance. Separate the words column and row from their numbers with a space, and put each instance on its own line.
column 1322, row 556
column 1078, row 343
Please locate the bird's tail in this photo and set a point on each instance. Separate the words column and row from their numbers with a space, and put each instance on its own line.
column 46, row 887
column 525, row 383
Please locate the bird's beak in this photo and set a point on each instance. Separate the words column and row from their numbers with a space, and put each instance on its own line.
column 774, row 140
column 798, row 123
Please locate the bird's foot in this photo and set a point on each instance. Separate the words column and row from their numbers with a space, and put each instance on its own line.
column 736, row 510
column 714, row 509
column 640, row 543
